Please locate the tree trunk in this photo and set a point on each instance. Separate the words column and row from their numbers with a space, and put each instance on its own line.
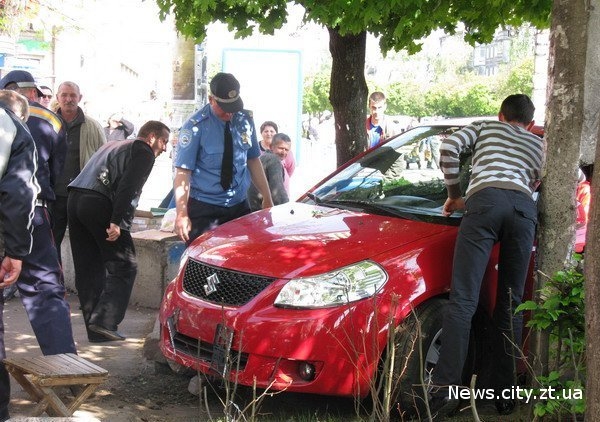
column 592, row 303
column 564, row 123
column 592, row 89
column 563, row 128
column 348, row 93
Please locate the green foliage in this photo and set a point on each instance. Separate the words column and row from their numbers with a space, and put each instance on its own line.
column 518, row 80
column 406, row 99
column 476, row 98
column 399, row 24
column 315, row 98
column 561, row 312
column 559, row 396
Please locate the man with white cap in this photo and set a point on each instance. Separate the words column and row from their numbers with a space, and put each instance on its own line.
column 217, row 158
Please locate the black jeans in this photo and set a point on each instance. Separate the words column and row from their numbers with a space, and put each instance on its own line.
column 492, row 215
column 58, row 213
column 207, row 216
column 104, row 271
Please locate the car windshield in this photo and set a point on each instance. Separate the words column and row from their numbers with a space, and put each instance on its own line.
column 401, row 178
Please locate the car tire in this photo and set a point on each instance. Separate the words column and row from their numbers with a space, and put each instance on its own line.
column 407, row 364
column 410, row 396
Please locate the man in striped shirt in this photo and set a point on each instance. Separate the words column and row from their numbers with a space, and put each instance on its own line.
column 506, row 170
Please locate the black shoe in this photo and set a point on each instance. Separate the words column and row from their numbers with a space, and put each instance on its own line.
column 505, row 406
column 442, row 406
column 96, row 338
column 110, row 335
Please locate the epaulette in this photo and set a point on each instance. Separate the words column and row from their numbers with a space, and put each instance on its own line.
column 46, row 115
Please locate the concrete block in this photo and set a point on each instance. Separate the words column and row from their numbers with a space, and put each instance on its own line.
column 158, row 255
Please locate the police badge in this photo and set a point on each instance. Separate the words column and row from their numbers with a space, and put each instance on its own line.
column 185, row 136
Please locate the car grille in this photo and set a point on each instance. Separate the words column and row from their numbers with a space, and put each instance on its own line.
column 203, row 350
column 221, row 286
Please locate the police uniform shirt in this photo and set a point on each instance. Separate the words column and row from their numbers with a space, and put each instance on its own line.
column 200, row 149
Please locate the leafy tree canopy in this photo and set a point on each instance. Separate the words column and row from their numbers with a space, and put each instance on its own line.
column 398, row 23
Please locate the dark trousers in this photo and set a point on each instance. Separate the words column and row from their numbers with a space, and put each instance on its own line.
column 4, row 378
column 104, row 271
column 58, row 211
column 491, row 215
column 207, row 216
column 42, row 289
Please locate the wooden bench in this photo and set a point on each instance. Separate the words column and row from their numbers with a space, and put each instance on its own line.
column 39, row 376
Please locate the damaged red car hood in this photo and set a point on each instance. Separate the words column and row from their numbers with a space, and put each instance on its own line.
column 298, row 239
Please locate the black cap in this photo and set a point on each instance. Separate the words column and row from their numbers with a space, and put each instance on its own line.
column 225, row 89
column 22, row 78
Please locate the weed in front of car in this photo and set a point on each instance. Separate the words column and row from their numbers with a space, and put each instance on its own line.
column 561, row 312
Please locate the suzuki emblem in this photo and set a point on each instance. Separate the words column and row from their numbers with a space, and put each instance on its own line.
column 211, row 284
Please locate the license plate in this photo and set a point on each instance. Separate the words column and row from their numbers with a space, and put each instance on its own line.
column 220, row 361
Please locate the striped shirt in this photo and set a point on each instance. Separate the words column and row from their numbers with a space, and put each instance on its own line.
column 504, row 157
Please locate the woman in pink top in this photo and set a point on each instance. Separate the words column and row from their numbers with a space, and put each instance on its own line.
column 267, row 130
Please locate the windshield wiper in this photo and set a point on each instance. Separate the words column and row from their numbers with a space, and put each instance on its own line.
column 314, row 198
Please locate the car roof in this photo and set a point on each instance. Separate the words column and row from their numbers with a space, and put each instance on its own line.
column 456, row 121
column 463, row 121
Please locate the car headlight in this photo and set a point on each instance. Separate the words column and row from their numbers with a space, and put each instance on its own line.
column 339, row 287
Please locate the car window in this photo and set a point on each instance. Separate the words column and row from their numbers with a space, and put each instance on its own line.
column 401, row 177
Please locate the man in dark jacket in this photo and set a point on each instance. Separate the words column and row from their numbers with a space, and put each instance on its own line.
column 101, row 205
column 41, row 283
column 18, row 191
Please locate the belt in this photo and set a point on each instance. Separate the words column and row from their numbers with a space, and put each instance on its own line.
column 41, row 203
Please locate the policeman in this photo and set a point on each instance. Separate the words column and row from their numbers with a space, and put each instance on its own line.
column 17, row 196
column 217, row 157
column 41, row 284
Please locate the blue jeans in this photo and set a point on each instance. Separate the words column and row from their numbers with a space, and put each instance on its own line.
column 492, row 215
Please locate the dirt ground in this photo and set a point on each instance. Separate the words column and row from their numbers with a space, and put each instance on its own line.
column 134, row 390
column 137, row 390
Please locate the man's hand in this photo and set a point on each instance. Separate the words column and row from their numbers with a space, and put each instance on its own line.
column 9, row 271
column 452, row 205
column 183, row 225
column 113, row 232
column 267, row 202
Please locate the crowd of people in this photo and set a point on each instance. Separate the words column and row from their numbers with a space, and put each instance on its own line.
column 59, row 171
column 89, row 178
column 69, row 171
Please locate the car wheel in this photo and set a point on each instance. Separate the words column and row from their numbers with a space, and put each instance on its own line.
column 416, row 357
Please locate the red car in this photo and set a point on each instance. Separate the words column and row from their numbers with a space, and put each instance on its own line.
column 313, row 296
